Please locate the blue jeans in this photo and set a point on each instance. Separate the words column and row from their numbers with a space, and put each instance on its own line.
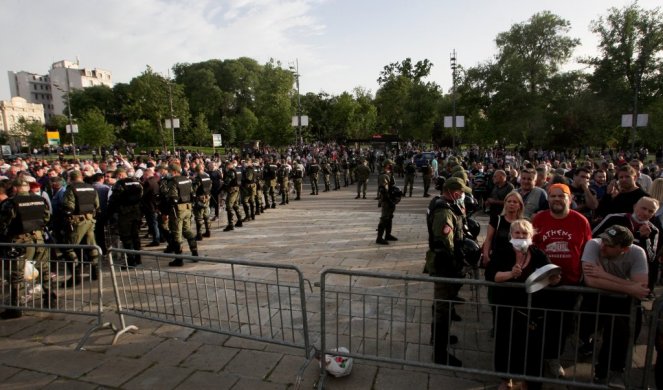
column 152, row 219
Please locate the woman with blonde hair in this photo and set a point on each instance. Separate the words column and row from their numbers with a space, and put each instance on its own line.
column 518, row 330
column 497, row 235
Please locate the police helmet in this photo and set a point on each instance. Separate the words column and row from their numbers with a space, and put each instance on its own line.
column 471, row 204
column 473, row 227
column 471, row 252
column 439, row 183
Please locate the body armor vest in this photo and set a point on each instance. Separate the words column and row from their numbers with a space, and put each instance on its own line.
column 132, row 191
column 230, row 179
column 183, row 189
column 29, row 211
column 249, row 175
column 85, row 196
column 205, row 184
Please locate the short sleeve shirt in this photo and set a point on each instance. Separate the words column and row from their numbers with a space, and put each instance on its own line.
column 624, row 266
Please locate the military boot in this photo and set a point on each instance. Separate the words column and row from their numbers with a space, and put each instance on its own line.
column 252, row 211
column 388, row 235
column 199, row 229
column 178, row 262
column 247, row 214
column 381, row 240
column 207, row 231
column 229, row 227
column 238, row 224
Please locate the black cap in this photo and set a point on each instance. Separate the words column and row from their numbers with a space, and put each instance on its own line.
column 617, row 235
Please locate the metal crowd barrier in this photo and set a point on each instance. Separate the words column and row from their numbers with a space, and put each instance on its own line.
column 252, row 300
column 655, row 336
column 387, row 318
column 53, row 285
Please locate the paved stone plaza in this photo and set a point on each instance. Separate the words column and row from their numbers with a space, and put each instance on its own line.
column 331, row 230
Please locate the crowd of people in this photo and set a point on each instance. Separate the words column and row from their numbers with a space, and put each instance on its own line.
column 597, row 219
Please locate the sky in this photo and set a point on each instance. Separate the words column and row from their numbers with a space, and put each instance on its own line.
column 337, row 44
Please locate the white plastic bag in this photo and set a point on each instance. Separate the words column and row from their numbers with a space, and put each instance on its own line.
column 338, row 366
column 30, row 272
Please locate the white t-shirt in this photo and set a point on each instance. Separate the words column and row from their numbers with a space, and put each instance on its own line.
column 633, row 262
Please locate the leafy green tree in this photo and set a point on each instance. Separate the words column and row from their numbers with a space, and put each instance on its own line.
column 97, row 97
column 94, row 130
column 200, row 134
column 27, row 133
column 150, row 97
column 628, row 73
column 406, row 103
column 273, row 106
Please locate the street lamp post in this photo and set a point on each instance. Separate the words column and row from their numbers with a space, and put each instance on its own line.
column 299, row 102
column 453, row 99
column 71, row 121
column 172, row 115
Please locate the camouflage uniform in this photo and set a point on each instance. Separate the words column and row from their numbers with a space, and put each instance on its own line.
column 427, row 173
column 202, row 189
column 282, row 174
column 231, row 186
column 269, row 175
column 80, row 204
column 362, row 173
column 260, row 184
column 444, row 259
column 386, row 181
column 345, row 167
column 326, row 173
column 298, row 178
column 177, row 196
column 22, row 219
column 249, row 192
column 313, row 172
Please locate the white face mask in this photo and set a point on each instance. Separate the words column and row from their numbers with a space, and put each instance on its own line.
column 521, row 244
column 461, row 200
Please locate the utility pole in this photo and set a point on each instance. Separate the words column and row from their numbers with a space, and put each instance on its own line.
column 71, row 120
column 453, row 99
column 299, row 102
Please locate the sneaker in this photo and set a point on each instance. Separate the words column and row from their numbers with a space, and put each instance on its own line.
column 555, row 368
column 616, row 380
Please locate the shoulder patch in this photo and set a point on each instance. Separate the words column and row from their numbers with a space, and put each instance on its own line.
column 447, row 230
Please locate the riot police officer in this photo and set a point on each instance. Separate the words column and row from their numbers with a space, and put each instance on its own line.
column 249, row 191
column 427, row 174
column 410, row 173
column 444, row 258
column 326, row 173
column 260, row 183
column 231, row 186
column 177, row 196
column 362, row 173
column 385, row 183
column 269, row 183
column 22, row 220
column 202, row 188
column 336, row 171
column 125, row 201
column 313, row 172
column 298, row 177
column 282, row 175
column 80, row 204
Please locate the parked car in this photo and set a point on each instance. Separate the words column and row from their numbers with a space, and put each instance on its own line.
column 420, row 158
